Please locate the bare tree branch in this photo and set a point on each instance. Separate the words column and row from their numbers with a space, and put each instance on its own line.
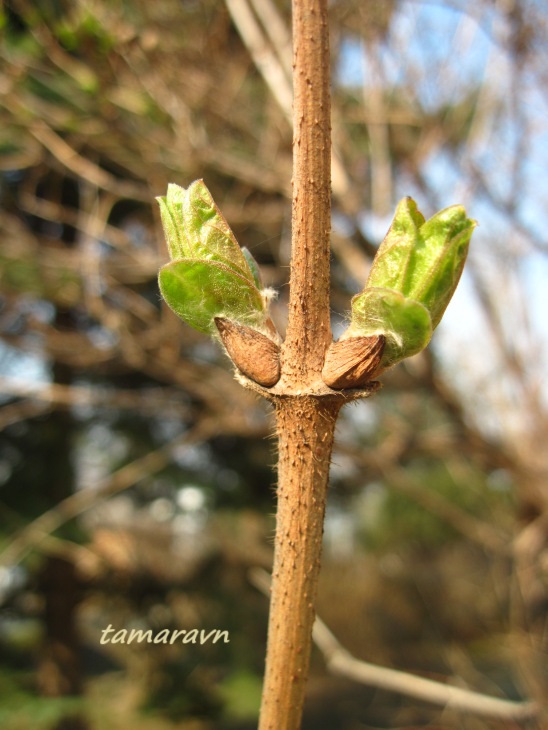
column 341, row 662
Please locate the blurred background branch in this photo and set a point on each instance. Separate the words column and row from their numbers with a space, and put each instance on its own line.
column 340, row 661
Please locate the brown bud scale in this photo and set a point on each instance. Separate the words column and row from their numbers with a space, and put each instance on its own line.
column 353, row 362
column 254, row 354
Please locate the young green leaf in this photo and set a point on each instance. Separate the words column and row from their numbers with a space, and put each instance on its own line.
column 392, row 266
column 198, row 291
column 253, row 267
column 412, row 279
column 405, row 323
column 439, row 259
column 209, row 275
column 195, row 228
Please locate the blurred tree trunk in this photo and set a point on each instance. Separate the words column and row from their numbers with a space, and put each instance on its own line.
column 59, row 670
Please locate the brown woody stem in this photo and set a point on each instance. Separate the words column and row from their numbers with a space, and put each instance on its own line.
column 306, row 414
column 305, row 431
column 308, row 330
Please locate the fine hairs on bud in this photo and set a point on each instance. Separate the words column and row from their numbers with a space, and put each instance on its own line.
column 253, row 353
column 353, row 362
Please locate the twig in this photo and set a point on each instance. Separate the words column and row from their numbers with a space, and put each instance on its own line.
column 266, row 58
column 84, row 168
column 74, row 395
column 341, row 662
column 62, row 214
column 379, row 135
column 33, row 533
column 20, row 411
column 277, row 31
column 262, row 54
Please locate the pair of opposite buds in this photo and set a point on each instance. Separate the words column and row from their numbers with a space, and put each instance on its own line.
column 215, row 286
column 349, row 363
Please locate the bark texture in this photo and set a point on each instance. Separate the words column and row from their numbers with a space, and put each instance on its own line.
column 306, row 413
column 308, row 330
column 305, row 436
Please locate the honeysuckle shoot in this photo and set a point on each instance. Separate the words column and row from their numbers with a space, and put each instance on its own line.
column 414, row 274
column 209, row 275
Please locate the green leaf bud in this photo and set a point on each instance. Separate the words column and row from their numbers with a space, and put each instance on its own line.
column 209, row 275
column 413, row 277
